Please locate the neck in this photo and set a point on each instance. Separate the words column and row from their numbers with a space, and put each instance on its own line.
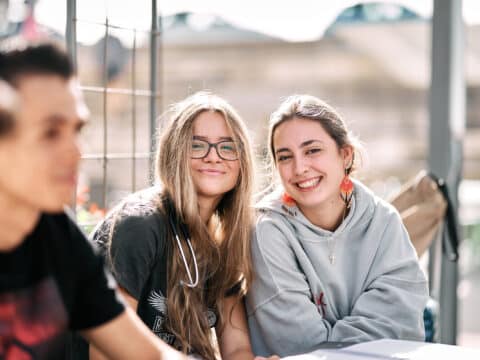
column 328, row 217
column 17, row 220
column 206, row 207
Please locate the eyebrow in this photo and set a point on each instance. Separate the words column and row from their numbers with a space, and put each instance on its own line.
column 56, row 120
column 205, row 138
column 303, row 144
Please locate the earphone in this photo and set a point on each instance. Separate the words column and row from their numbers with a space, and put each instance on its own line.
column 186, row 236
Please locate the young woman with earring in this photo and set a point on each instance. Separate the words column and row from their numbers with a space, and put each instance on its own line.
column 332, row 262
column 180, row 251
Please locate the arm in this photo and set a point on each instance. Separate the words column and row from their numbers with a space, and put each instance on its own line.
column 283, row 319
column 395, row 292
column 235, row 342
column 110, row 339
column 94, row 353
column 131, row 301
column 133, row 251
column 99, row 315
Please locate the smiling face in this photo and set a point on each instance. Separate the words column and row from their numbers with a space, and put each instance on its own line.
column 212, row 176
column 310, row 164
column 39, row 158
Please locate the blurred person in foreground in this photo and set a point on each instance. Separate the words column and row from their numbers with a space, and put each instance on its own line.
column 50, row 279
column 333, row 262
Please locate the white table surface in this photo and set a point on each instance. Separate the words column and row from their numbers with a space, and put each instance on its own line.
column 392, row 349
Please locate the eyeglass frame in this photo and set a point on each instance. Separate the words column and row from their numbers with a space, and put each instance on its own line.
column 215, row 145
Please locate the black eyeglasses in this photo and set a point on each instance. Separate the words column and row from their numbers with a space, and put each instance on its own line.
column 226, row 149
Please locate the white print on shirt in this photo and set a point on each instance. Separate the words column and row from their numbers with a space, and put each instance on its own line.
column 159, row 303
column 166, row 337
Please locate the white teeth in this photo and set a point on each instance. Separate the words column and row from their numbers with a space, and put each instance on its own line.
column 309, row 183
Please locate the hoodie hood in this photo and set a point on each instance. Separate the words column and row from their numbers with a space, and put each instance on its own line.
column 361, row 211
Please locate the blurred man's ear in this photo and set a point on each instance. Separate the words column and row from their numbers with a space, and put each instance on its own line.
column 9, row 105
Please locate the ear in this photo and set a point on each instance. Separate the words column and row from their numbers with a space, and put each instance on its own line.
column 347, row 154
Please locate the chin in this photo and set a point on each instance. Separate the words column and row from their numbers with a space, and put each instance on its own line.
column 214, row 190
column 212, row 193
column 54, row 208
column 57, row 204
column 310, row 202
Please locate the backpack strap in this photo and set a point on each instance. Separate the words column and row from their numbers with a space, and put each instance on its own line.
column 449, row 243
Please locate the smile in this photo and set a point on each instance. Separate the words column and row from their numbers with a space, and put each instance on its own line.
column 213, row 172
column 309, row 184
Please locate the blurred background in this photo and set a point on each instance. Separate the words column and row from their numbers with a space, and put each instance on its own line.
column 370, row 60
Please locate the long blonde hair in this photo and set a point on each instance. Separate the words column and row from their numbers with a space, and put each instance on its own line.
column 222, row 246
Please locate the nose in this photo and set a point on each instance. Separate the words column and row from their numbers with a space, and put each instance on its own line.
column 300, row 165
column 212, row 155
column 77, row 150
column 72, row 149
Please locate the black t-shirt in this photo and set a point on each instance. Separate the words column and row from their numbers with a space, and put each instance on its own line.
column 52, row 282
column 139, row 250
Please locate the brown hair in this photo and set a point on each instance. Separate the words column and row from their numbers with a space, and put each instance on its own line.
column 23, row 60
column 222, row 246
column 311, row 108
column 42, row 58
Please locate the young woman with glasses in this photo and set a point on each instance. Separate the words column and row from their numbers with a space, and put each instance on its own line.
column 180, row 251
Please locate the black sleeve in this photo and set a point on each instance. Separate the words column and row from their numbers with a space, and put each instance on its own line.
column 137, row 242
column 95, row 300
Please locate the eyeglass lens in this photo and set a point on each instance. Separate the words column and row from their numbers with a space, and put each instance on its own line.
column 226, row 150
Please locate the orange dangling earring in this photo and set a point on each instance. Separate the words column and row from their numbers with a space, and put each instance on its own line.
column 346, row 187
column 288, row 204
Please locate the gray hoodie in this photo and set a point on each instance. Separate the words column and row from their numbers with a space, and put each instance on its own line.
column 374, row 289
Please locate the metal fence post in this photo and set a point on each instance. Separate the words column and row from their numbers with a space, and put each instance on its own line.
column 71, row 30
column 153, row 87
column 447, row 127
